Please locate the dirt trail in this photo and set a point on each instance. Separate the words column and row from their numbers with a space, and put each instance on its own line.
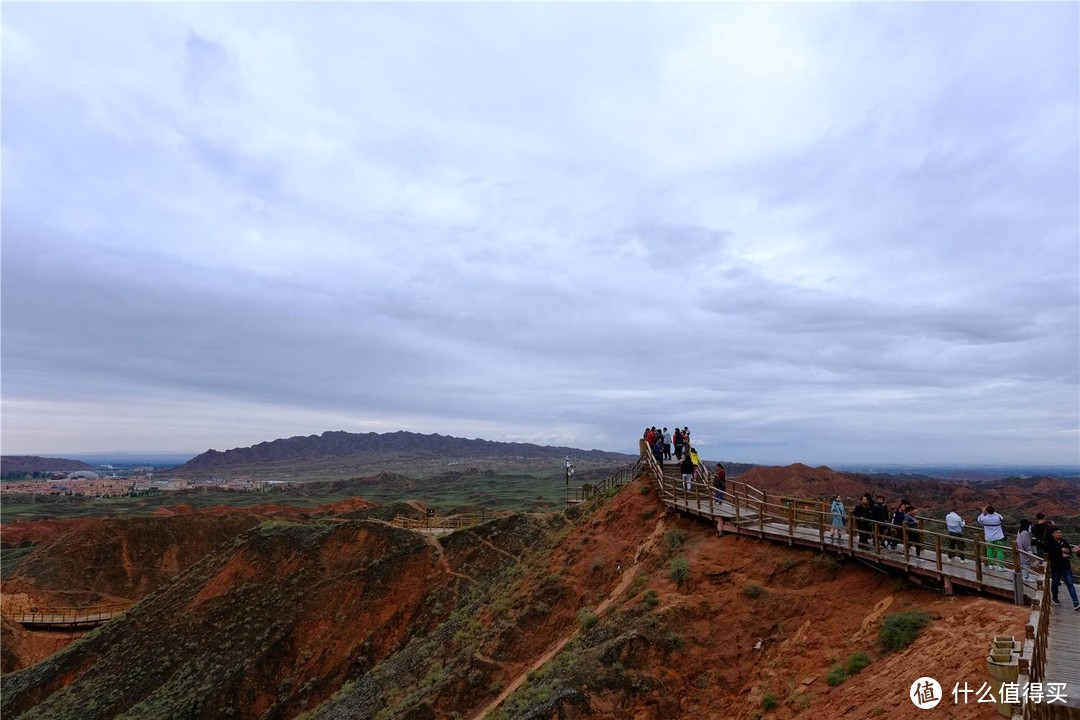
column 443, row 562
column 616, row 592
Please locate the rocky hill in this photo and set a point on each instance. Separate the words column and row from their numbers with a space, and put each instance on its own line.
column 339, row 444
column 31, row 463
column 611, row 609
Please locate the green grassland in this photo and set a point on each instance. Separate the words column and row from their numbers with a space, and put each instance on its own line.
column 536, row 489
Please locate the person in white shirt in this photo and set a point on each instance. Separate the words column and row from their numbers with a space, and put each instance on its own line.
column 994, row 530
column 955, row 526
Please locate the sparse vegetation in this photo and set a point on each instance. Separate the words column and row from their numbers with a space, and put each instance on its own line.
column 650, row 600
column 588, row 618
column 900, row 630
column 674, row 538
column 799, row 700
column 836, row 676
column 680, row 570
column 753, row 591
column 769, row 701
column 856, row 662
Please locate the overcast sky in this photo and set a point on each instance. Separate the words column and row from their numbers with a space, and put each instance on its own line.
column 822, row 233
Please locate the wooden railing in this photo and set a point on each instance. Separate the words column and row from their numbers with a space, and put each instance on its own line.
column 587, row 491
column 442, row 522
column 1033, row 657
column 760, row 512
column 66, row 616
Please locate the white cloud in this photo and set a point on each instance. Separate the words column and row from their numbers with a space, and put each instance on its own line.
column 814, row 232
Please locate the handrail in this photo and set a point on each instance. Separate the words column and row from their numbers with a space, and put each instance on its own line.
column 1032, row 661
column 51, row 615
column 450, row 522
column 620, row 477
column 754, row 508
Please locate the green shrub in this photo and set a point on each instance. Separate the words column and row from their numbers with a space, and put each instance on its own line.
column 588, row 618
column 753, row 591
column 674, row 538
column 644, row 489
column 650, row 600
column 680, row 570
column 856, row 662
column 836, row 676
column 769, row 701
column 900, row 630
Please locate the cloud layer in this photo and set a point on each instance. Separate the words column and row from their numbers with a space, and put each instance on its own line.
column 817, row 233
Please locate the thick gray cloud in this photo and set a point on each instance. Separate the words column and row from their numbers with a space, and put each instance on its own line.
column 817, row 233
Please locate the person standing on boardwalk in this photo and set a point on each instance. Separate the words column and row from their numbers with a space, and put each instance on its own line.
column 1059, row 552
column 667, row 444
column 994, row 532
column 676, row 440
column 954, row 525
column 863, row 520
column 914, row 534
column 686, row 467
column 1023, row 545
column 898, row 523
column 1040, row 534
column 879, row 511
column 719, row 482
column 658, row 452
column 839, row 520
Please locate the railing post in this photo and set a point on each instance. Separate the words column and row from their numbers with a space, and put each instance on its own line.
column 907, row 553
column 937, row 550
column 978, row 560
column 821, row 525
column 761, row 512
column 791, row 520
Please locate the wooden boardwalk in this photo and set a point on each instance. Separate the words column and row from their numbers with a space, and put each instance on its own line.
column 744, row 510
column 66, row 618
column 1051, row 654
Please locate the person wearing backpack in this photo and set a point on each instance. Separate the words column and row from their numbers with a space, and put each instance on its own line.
column 1041, row 534
column 677, row 439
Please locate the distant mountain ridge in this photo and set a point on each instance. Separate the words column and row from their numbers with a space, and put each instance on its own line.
column 338, row 443
column 33, row 463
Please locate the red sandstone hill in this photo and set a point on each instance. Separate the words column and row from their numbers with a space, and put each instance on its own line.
column 578, row 615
